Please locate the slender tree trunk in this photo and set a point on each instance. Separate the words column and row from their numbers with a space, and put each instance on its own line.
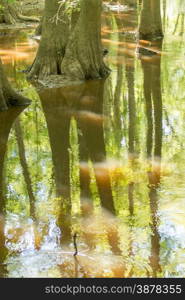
column 55, row 31
column 84, row 57
column 149, row 107
column 154, row 225
column 22, row 155
column 7, row 95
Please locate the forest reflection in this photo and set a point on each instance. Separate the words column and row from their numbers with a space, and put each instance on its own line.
column 101, row 166
column 7, row 119
column 84, row 104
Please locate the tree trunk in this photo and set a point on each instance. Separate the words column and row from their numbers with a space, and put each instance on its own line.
column 9, row 14
column 7, row 95
column 150, row 24
column 55, row 31
column 84, row 57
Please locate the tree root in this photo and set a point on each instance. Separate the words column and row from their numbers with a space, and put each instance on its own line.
column 27, row 18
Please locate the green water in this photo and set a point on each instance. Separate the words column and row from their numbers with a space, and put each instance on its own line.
column 103, row 159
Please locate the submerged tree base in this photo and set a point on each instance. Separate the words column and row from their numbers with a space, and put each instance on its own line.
column 151, row 36
column 80, row 56
column 55, row 31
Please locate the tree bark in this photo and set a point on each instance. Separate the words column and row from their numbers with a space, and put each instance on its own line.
column 9, row 14
column 7, row 94
column 150, row 24
column 84, row 58
column 55, row 31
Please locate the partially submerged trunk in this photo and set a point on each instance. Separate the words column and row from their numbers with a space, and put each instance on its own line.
column 150, row 24
column 84, row 57
column 55, row 30
column 8, row 96
column 9, row 14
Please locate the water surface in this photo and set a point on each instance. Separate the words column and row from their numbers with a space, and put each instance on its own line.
column 99, row 164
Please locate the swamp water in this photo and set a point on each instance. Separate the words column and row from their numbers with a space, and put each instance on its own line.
column 98, row 166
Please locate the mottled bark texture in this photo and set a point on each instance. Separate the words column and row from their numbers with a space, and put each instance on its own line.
column 9, row 14
column 83, row 58
column 55, row 31
column 7, row 94
column 150, row 23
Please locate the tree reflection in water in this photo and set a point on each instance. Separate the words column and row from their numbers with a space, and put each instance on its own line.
column 7, row 119
column 92, row 164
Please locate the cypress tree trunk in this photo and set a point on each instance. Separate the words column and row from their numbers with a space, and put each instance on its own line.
column 84, row 58
column 7, row 94
column 150, row 24
column 55, row 30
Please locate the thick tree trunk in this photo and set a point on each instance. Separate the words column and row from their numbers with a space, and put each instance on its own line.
column 150, row 24
column 84, row 57
column 7, row 95
column 9, row 14
column 55, row 31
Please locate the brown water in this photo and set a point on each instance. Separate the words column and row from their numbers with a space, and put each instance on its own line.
column 99, row 164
